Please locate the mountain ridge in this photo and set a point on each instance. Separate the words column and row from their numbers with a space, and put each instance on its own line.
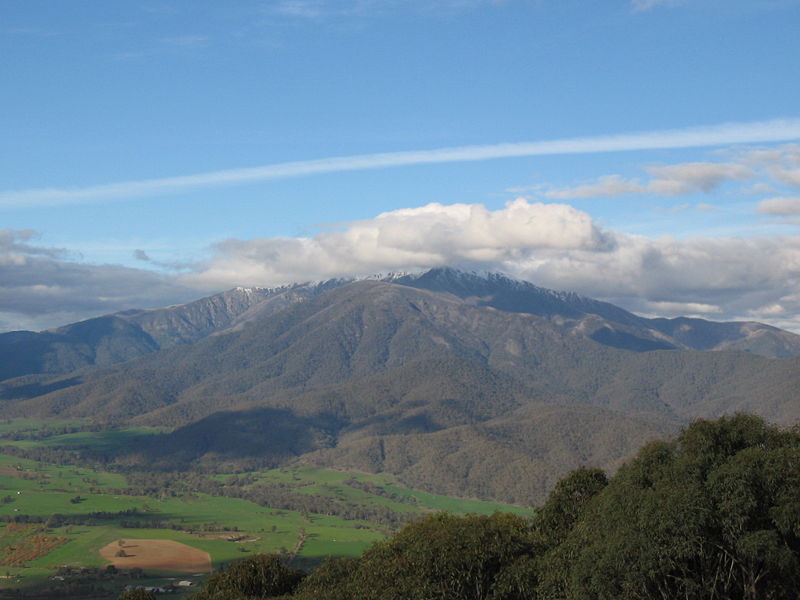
column 437, row 386
column 118, row 337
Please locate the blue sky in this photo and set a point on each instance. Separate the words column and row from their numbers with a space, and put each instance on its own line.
column 144, row 149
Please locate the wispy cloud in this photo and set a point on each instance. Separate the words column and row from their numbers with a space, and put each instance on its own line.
column 724, row 134
column 186, row 42
column 306, row 9
column 319, row 9
column 667, row 180
column 641, row 5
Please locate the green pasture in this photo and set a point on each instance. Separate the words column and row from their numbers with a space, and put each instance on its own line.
column 436, row 502
column 227, row 528
column 332, row 483
column 25, row 424
column 99, row 441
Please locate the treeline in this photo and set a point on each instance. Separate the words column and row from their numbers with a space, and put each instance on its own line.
column 131, row 518
column 713, row 515
column 51, row 431
column 56, row 456
column 376, row 490
column 277, row 495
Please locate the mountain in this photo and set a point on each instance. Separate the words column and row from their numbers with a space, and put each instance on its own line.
column 460, row 383
column 126, row 335
column 604, row 322
column 116, row 338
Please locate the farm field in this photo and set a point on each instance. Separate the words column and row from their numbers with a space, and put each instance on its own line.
column 56, row 519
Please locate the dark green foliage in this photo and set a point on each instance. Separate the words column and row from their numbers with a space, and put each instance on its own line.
column 259, row 576
column 713, row 515
column 137, row 594
column 330, row 581
column 443, row 557
column 567, row 502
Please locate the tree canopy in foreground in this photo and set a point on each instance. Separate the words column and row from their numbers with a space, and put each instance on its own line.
column 714, row 514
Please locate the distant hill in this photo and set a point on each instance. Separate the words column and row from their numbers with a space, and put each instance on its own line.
column 465, row 384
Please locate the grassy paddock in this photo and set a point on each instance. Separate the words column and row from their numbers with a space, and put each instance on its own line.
column 227, row 528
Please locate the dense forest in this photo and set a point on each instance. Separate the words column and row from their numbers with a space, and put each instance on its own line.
column 714, row 514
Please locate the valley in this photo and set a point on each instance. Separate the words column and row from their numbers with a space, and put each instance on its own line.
column 57, row 515
column 314, row 420
column 458, row 383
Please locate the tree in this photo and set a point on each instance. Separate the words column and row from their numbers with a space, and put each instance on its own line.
column 258, row 576
column 565, row 506
column 137, row 594
column 567, row 502
column 443, row 557
column 715, row 514
column 330, row 581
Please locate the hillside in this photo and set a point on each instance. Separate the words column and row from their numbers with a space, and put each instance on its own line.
column 117, row 338
column 424, row 378
column 113, row 339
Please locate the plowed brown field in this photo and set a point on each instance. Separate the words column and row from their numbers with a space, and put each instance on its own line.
column 163, row 555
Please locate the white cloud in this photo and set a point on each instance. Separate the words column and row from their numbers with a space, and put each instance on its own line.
column 684, row 308
column 551, row 245
column 673, row 210
column 782, row 164
column 725, row 134
column 687, row 178
column 306, row 9
column 405, row 239
column 319, row 9
column 788, row 176
column 731, row 278
column 667, row 180
column 787, row 155
column 759, row 188
column 781, row 206
column 43, row 287
column 604, row 187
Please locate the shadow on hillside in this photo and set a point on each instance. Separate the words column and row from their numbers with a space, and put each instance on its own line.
column 269, row 435
column 12, row 391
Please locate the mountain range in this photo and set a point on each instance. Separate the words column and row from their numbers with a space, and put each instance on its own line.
column 471, row 384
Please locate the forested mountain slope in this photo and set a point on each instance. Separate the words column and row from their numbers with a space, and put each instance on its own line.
column 113, row 339
column 440, row 387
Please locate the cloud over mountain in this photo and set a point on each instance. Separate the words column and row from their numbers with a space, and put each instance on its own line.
column 406, row 239
column 553, row 245
column 43, row 287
